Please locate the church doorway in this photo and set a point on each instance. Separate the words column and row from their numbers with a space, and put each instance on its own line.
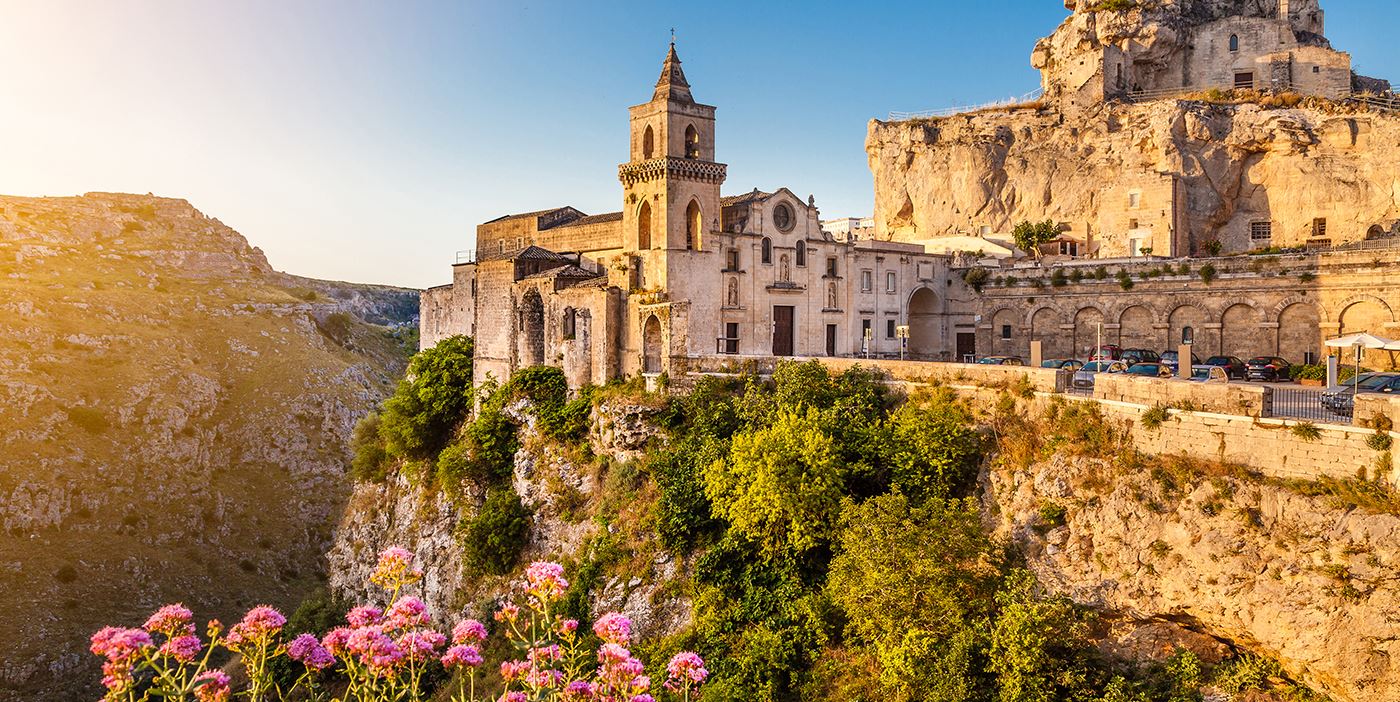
column 782, row 330
column 923, row 324
column 651, row 345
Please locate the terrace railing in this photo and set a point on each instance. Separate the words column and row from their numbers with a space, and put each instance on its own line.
column 1028, row 98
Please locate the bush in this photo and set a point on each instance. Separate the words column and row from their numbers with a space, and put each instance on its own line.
column 1125, row 281
column 1153, row 417
column 491, row 542
column 434, row 396
column 1379, row 441
column 934, row 452
column 1052, row 514
column 1207, row 273
column 976, row 278
column 1307, row 431
column 369, row 459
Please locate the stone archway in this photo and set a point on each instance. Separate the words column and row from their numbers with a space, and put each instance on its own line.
column 531, row 329
column 1087, row 324
column 1045, row 328
column 1187, row 324
column 1135, row 329
column 1299, row 332
column 1006, row 338
column 651, row 345
column 1370, row 315
column 923, row 324
column 1240, row 333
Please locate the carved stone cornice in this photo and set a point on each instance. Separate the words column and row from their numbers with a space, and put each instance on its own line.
column 671, row 167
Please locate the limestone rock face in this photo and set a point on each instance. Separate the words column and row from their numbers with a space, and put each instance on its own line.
column 1230, row 166
column 175, row 422
column 1259, row 567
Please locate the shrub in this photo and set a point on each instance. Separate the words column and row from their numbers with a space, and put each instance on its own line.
column 1212, row 247
column 1153, row 417
column 1058, row 278
column 1033, row 642
column 1125, row 280
column 1307, row 431
column 1207, row 273
column 1246, row 674
column 492, row 541
column 976, row 278
column 1030, row 235
column 1379, row 441
column 368, row 455
column 1052, row 514
column 934, row 452
column 435, row 395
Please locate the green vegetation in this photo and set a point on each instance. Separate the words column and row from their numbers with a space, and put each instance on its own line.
column 491, row 542
column 1114, row 5
column 1153, row 417
column 976, row 278
column 1307, row 431
column 1030, row 235
column 1208, row 273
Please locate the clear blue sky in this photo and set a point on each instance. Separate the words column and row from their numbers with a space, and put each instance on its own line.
column 365, row 140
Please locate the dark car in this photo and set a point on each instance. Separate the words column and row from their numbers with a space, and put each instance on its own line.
column 1151, row 370
column 1001, row 361
column 1170, row 358
column 1131, row 356
column 1084, row 377
column 1268, row 368
column 1233, row 366
column 1107, row 352
column 1062, row 364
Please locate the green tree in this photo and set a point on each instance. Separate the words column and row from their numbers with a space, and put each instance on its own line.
column 435, row 394
column 1030, row 235
column 1035, row 643
column 781, row 485
column 491, row 542
column 933, row 449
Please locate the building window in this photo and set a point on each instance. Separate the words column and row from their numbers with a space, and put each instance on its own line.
column 570, row 323
column 890, row 282
column 501, row 245
column 1244, row 81
column 731, row 337
column 519, row 243
column 1069, row 248
column 693, row 223
column 1320, row 227
column 889, row 329
column 644, row 226
column 831, row 266
column 866, row 281
column 865, row 335
column 648, row 143
column 1234, row 42
column 692, row 142
column 1261, row 232
column 1006, row 332
column 802, row 254
column 1134, row 199
column 782, row 217
column 767, row 256
column 731, row 260
column 1132, row 224
column 1188, row 335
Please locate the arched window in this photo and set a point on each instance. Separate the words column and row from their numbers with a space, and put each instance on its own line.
column 693, row 223
column 692, row 142
column 802, row 253
column 648, row 143
column 767, row 250
column 570, row 323
column 1234, row 42
column 644, row 226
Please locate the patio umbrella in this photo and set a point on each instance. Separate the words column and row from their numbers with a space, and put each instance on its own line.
column 1362, row 340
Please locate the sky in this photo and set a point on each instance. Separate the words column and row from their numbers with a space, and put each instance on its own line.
column 364, row 141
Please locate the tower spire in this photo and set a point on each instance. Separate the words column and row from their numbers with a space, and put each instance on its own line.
column 672, row 84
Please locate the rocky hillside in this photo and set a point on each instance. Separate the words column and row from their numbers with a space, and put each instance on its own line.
column 175, row 416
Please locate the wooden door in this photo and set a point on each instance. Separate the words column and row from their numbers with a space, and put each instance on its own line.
column 831, row 339
column 782, row 330
column 967, row 346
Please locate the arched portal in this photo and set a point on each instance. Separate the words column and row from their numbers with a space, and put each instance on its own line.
column 923, row 324
column 651, row 345
column 692, row 142
column 1370, row 316
column 1187, row 325
column 1135, row 329
column 1045, row 328
column 1239, row 332
column 1088, row 325
column 644, row 225
column 1298, row 332
column 648, row 143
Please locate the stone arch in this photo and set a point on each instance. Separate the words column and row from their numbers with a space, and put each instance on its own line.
column 1240, row 334
column 1005, row 320
column 648, row 143
column 1367, row 313
column 1188, row 321
column 1376, row 232
column 766, row 252
column 651, row 345
column 644, row 225
column 1135, row 328
column 531, row 328
column 1298, row 333
column 1354, row 300
column 1234, row 42
column 923, row 323
column 692, row 142
column 694, row 223
column 1044, row 324
column 1087, row 321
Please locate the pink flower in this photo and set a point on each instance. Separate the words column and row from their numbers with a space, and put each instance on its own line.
column 407, row 613
column 364, row 616
column 469, row 630
column 545, row 654
column 336, row 641
column 508, row 612
column 120, row 645
column 182, row 648
column 578, row 690
column 544, row 678
column 514, row 697
column 643, row 698
column 461, row 655
column 685, row 668
column 395, row 569
column 305, row 649
column 612, row 653
column 614, row 628
column 116, row 676
column 374, row 649
column 171, row 620
column 211, row 686
column 546, row 580
column 258, row 627
column 514, row 670
column 568, row 626
column 421, row 645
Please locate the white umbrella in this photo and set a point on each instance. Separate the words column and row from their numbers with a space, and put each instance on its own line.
column 1362, row 340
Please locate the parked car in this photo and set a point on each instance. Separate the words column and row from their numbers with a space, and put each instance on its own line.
column 1152, row 370
column 1232, row 365
column 1341, row 399
column 1170, row 358
column 1131, row 356
column 1209, row 374
column 1084, row 377
column 1267, row 368
column 1062, row 364
column 1107, row 352
column 1001, row 361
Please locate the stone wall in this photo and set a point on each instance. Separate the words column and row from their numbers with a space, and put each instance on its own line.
column 1368, row 408
column 1225, row 398
column 971, row 374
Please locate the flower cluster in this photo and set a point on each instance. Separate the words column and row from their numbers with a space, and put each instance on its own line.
column 384, row 653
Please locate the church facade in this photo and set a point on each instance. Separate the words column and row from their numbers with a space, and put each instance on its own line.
column 683, row 271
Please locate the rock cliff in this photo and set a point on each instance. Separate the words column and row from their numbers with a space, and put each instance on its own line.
column 176, row 419
column 1259, row 566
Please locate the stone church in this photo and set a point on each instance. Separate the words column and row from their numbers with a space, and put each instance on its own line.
column 683, row 271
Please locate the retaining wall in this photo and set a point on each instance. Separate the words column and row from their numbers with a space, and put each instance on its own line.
column 1223, row 398
column 1040, row 379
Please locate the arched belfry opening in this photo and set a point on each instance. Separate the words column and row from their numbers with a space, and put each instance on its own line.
column 648, row 143
column 694, row 221
column 644, row 225
column 692, row 142
column 651, row 345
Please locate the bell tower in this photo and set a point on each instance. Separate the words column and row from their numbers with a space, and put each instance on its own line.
column 671, row 182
